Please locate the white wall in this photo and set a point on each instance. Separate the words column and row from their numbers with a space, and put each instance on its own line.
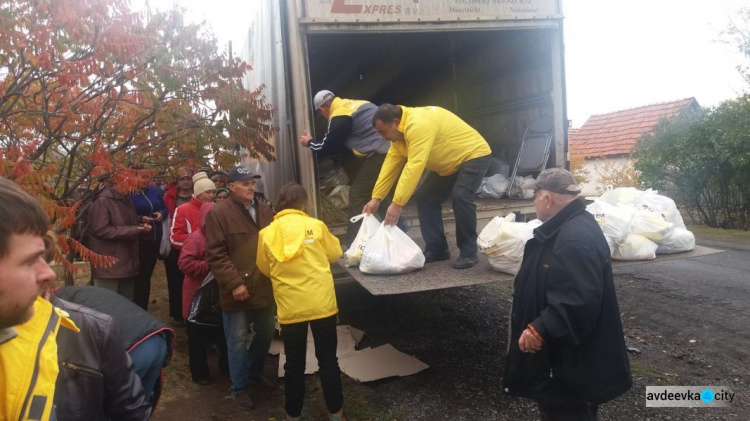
column 594, row 168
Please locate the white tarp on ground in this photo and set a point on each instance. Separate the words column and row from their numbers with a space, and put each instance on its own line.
column 264, row 51
column 363, row 365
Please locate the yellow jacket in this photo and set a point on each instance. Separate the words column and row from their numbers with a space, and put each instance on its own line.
column 28, row 365
column 434, row 139
column 295, row 251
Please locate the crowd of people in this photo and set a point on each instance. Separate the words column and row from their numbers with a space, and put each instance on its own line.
column 94, row 352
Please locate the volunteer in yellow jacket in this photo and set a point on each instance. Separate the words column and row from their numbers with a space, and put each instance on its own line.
column 28, row 323
column 295, row 251
column 457, row 156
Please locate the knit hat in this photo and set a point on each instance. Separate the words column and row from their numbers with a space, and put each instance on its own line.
column 201, row 184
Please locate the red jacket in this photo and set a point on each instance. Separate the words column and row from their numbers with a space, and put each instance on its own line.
column 170, row 197
column 193, row 260
column 184, row 221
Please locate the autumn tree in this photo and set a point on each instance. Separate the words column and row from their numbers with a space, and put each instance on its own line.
column 89, row 88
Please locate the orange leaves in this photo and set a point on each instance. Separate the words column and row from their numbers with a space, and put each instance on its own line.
column 96, row 260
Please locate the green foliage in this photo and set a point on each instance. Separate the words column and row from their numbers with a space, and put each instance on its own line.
column 705, row 154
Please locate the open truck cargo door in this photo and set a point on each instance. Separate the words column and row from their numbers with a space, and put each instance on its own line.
column 440, row 275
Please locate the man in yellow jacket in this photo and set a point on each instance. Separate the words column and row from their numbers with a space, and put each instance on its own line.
column 28, row 323
column 457, row 156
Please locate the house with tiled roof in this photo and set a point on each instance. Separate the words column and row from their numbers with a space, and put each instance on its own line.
column 608, row 139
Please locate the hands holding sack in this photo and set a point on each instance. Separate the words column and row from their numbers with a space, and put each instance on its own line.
column 381, row 249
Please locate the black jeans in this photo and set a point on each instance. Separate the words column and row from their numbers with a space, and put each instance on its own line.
column 576, row 413
column 360, row 192
column 148, row 254
column 461, row 187
column 174, row 284
column 199, row 337
column 295, row 348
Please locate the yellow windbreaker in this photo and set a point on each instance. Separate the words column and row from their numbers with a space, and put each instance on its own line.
column 295, row 252
column 434, row 139
column 28, row 365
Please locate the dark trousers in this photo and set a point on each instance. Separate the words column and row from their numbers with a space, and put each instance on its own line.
column 360, row 192
column 295, row 348
column 174, row 284
column 199, row 337
column 577, row 413
column 461, row 187
column 148, row 253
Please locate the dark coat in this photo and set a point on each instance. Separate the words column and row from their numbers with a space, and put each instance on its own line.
column 96, row 379
column 113, row 231
column 565, row 290
column 147, row 202
column 231, row 248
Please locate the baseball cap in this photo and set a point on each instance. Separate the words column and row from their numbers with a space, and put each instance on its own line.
column 322, row 97
column 556, row 180
column 240, row 173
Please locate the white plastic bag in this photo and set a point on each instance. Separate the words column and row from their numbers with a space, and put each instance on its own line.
column 621, row 196
column 340, row 196
column 165, row 246
column 370, row 224
column 651, row 225
column 635, row 247
column 653, row 201
column 614, row 222
column 391, row 251
column 493, row 187
column 676, row 241
column 503, row 241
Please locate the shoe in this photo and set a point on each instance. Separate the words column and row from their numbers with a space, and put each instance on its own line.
column 260, row 382
column 339, row 416
column 288, row 417
column 242, row 400
column 434, row 256
column 203, row 382
column 465, row 262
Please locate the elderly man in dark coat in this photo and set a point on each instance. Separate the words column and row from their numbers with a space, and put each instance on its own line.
column 567, row 347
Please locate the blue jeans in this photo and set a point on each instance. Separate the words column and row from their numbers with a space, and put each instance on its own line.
column 247, row 348
column 148, row 359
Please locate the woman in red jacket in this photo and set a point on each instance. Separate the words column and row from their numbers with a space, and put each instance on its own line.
column 184, row 221
column 195, row 267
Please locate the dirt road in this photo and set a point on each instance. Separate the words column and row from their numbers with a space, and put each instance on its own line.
column 687, row 320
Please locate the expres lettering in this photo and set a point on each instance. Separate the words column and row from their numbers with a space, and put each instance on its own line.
column 341, row 6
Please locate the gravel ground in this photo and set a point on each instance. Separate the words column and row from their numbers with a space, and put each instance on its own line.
column 462, row 334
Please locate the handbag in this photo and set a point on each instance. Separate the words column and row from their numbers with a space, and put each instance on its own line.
column 205, row 310
column 165, row 247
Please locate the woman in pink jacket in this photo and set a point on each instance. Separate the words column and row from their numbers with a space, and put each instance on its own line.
column 195, row 267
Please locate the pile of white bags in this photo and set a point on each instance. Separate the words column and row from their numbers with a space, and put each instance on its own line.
column 638, row 224
column 382, row 250
column 493, row 187
column 503, row 241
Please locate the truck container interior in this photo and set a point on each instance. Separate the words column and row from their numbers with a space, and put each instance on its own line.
column 498, row 81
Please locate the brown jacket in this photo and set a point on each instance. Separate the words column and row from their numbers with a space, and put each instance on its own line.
column 231, row 246
column 113, row 231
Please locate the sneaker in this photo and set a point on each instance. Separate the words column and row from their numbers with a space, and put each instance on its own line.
column 260, row 382
column 203, row 382
column 434, row 256
column 288, row 417
column 242, row 400
column 339, row 416
column 465, row 262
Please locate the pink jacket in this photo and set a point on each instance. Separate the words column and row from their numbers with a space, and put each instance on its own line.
column 193, row 260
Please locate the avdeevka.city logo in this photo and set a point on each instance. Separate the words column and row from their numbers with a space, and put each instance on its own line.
column 689, row 396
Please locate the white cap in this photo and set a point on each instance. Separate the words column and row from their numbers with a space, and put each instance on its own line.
column 322, row 97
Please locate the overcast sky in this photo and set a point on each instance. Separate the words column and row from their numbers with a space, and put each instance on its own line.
column 619, row 54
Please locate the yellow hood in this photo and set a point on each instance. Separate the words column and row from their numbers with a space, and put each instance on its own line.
column 287, row 237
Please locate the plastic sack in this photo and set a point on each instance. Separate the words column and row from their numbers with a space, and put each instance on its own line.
column 493, row 187
column 614, row 222
column 204, row 309
column 635, row 247
column 621, row 196
column 676, row 241
column 503, row 241
column 165, row 246
column 340, row 196
column 391, row 251
column 652, row 201
column 651, row 225
column 517, row 189
column 370, row 225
